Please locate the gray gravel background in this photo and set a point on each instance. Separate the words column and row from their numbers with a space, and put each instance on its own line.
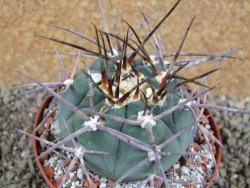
column 18, row 169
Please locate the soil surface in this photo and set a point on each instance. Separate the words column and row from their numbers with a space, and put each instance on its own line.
column 219, row 26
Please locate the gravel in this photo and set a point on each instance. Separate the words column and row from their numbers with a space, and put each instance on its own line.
column 18, row 168
column 235, row 131
column 17, row 164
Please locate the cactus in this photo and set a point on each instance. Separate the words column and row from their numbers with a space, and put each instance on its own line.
column 124, row 156
column 129, row 114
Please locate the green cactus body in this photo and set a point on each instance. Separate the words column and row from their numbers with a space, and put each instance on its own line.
column 123, row 156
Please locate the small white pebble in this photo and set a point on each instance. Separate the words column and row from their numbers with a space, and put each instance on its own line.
column 184, row 170
column 118, row 186
column 103, row 180
column 208, row 126
column 103, row 185
column 79, row 173
column 176, row 166
column 71, row 174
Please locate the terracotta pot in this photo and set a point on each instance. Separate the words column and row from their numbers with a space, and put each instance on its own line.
column 37, row 147
column 215, row 128
column 35, row 143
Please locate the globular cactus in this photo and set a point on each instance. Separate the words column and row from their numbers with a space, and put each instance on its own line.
column 140, row 97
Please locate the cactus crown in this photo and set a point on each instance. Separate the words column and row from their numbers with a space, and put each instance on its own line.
column 129, row 114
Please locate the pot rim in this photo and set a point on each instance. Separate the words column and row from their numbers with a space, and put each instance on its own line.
column 207, row 112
